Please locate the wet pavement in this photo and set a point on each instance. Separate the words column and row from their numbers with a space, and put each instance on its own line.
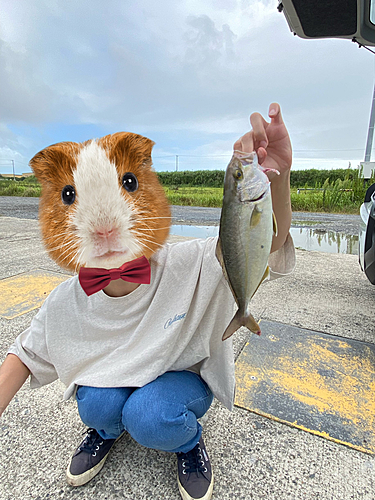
column 253, row 457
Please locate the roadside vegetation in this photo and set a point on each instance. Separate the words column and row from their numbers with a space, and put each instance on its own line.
column 340, row 191
column 21, row 186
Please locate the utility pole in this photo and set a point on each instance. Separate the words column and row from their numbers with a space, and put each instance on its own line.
column 176, row 163
column 370, row 134
column 14, row 173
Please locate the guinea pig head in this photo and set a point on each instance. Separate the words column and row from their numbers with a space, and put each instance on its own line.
column 101, row 204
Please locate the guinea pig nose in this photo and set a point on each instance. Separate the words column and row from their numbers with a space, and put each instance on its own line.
column 104, row 232
column 115, row 274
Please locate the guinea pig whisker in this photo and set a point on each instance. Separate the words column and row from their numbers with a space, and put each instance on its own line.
column 153, row 242
column 153, row 218
column 149, row 248
column 66, row 255
column 72, row 253
column 62, row 245
column 152, row 229
column 63, row 254
column 78, row 256
column 55, row 236
column 73, row 256
column 142, row 238
column 70, row 249
column 66, row 243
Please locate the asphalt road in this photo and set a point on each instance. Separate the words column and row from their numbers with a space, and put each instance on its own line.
column 253, row 457
column 27, row 208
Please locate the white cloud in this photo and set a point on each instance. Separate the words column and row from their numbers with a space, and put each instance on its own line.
column 178, row 70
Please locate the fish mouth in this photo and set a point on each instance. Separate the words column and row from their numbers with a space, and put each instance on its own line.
column 260, row 197
column 254, row 200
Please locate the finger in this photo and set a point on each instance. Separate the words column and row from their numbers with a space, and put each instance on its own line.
column 262, row 155
column 245, row 143
column 275, row 114
column 259, row 126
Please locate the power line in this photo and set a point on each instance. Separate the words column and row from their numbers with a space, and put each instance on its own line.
column 294, row 151
column 15, row 161
column 192, row 156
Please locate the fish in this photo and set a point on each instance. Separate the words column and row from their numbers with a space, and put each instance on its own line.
column 247, row 226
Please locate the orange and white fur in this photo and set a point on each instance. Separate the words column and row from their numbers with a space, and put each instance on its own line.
column 102, row 204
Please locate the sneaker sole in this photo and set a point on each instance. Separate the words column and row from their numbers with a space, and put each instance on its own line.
column 185, row 495
column 85, row 477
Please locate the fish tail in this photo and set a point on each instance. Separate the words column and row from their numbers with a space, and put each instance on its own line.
column 238, row 320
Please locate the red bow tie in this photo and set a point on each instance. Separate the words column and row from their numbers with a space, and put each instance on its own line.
column 93, row 279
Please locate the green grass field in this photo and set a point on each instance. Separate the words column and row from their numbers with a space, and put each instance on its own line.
column 194, row 196
column 28, row 187
column 335, row 197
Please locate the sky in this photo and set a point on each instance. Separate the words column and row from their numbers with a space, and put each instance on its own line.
column 185, row 74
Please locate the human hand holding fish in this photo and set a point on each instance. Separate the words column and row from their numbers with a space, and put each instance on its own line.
column 253, row 209
column 270, row 140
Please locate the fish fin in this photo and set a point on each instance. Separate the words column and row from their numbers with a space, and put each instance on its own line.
column 219, row 253
column 255, row 217
column 240, row 320
column 265, row 276
column 234, row 325
column 274, row 224
column 252, row 325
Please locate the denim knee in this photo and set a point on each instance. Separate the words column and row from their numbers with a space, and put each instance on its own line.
column 161, row 425
column 101, row 409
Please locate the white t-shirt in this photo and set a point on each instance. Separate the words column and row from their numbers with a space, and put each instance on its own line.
column 175, row 323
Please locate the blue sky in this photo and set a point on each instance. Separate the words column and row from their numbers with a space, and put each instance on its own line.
column 186, row 74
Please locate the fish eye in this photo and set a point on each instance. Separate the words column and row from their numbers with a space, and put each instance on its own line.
column 238, row 175
column 129, row 182
column 68, row 195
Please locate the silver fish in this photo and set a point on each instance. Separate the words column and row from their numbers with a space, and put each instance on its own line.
column 247, row 225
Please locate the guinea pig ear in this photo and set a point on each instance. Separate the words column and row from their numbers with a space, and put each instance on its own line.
column 127, row 143
column 54, row 160
column 145, row 145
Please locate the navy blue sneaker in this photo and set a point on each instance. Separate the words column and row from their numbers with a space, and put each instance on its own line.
column 195, row 477
column 89, row 458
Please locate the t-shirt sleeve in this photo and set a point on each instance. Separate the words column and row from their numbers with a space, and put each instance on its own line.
column 283, row 261
column 31, row 348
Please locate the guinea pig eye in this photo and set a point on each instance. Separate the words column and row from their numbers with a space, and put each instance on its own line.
column 68, row 195
column 130, row 182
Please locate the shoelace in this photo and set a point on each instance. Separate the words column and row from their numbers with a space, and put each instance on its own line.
column 91, row 443
column 193, row 461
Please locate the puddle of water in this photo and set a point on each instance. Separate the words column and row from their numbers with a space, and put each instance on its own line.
column 305, row 238
column 324, row 241
column 195, row 231
column 306, row 222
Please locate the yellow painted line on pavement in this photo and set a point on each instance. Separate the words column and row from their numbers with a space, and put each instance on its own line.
column 320, row 383
column 27, row 291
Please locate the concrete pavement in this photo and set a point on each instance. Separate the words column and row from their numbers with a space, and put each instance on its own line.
column 253, row 457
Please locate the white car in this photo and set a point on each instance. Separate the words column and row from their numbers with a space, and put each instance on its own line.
column 353, row 20
column 350, row 19
column 367, row 235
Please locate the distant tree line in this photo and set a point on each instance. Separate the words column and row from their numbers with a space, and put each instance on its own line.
column 215, row 178
column 316, row 178
column 207, row 178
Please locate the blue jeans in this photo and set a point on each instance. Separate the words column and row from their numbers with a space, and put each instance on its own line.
column 161, row 415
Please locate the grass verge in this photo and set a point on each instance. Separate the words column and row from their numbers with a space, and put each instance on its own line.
column 330, row 198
